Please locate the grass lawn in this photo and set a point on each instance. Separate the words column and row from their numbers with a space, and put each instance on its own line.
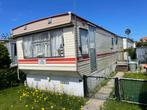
column 135, row 75
column 9, row 99
column 21, row 98
column 116, row 105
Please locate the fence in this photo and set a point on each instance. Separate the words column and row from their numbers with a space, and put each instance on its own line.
column 141, row 53
column 92, row 84
column 133, row 90
column 125, row 89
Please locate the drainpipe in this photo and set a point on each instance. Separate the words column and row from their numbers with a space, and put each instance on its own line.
column 18, row 74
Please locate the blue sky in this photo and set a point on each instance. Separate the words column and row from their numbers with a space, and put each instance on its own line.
column 114, row 15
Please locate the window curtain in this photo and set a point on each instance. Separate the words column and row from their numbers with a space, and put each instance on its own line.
column 45, row 44
column 84, row 41
column 41, row 46
column 56, row 42
column 27, row 45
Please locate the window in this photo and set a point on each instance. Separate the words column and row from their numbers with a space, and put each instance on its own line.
column 84, row 41
column 112, row 41
column 45, row 44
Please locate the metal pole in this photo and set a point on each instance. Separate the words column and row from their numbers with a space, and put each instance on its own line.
column 85, row 86
column 117, row 89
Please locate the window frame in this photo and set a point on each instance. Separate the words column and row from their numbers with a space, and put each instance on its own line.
column 83, row 55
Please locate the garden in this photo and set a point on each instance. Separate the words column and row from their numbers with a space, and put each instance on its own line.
column 22, row 98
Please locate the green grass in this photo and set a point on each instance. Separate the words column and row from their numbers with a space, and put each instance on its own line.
column 117, row 105
column 136, row 75
column 21, row 98
column 9, row 99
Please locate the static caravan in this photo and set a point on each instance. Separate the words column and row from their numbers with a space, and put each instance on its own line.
column 55, row 52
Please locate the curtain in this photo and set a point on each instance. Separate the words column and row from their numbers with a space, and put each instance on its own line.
column 84, row 41
column 45, row 44
column 40, row 44
column 56, row 42
column 27, row 45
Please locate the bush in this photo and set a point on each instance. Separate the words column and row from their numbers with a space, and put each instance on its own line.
column 141, row 44
column 4, row 57
column 8, row 78
column 40, row 100
column 131, row 52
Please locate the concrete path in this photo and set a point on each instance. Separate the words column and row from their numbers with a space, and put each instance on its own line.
column 102, row 95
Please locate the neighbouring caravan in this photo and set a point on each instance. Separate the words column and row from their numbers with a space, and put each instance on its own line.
column 10, row 44
column 55, row 52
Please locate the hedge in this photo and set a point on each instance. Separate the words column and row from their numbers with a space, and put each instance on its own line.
column 8, row 78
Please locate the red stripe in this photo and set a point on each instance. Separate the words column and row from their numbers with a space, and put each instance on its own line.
column 98, row 56
column 63, row 62
column 61, row 59
column 49, row 61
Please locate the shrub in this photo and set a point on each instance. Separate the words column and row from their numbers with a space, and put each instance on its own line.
column 141, row 44
column 131, row 52
column 4, row 57
column 40, row 100
column 8, row 78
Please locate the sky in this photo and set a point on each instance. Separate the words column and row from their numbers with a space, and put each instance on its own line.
column 114, row 15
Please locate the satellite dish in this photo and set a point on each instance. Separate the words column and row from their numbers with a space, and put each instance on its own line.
column 127, row 31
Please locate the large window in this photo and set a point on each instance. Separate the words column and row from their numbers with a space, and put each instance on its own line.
column 45, row 44
column 84, row 41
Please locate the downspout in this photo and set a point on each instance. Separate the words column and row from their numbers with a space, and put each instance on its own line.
column 18, row 74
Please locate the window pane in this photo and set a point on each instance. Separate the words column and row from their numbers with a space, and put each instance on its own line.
column 91, row 37
column 40, row 45
column 56, row 42
column 27, row 45
column 84, row 41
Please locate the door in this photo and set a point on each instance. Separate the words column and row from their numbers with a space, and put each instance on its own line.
column 92, row 50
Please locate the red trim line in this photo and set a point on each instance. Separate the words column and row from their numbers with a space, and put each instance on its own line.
column 49, row 61
column 61, row 60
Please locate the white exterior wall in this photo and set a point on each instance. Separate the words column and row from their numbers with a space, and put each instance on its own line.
column 103, row 45
column 62, row 84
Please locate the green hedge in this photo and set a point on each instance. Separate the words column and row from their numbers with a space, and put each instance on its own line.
column 4, row 57
column 8, row 78
column 131, row 52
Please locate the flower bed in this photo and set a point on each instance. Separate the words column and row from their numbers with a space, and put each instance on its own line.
column 41, row 100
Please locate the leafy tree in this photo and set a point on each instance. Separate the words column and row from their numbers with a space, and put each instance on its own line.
column 4, row 57
column 141, row 44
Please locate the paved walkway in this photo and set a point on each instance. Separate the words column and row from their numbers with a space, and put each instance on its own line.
column 101, row 96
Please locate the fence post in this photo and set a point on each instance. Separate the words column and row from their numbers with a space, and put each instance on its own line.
column 85, row 86
column 117, row 90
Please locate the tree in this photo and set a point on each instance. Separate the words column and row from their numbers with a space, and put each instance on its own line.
column 4, row 57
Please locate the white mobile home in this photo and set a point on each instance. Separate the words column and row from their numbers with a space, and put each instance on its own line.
column 55, row 52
